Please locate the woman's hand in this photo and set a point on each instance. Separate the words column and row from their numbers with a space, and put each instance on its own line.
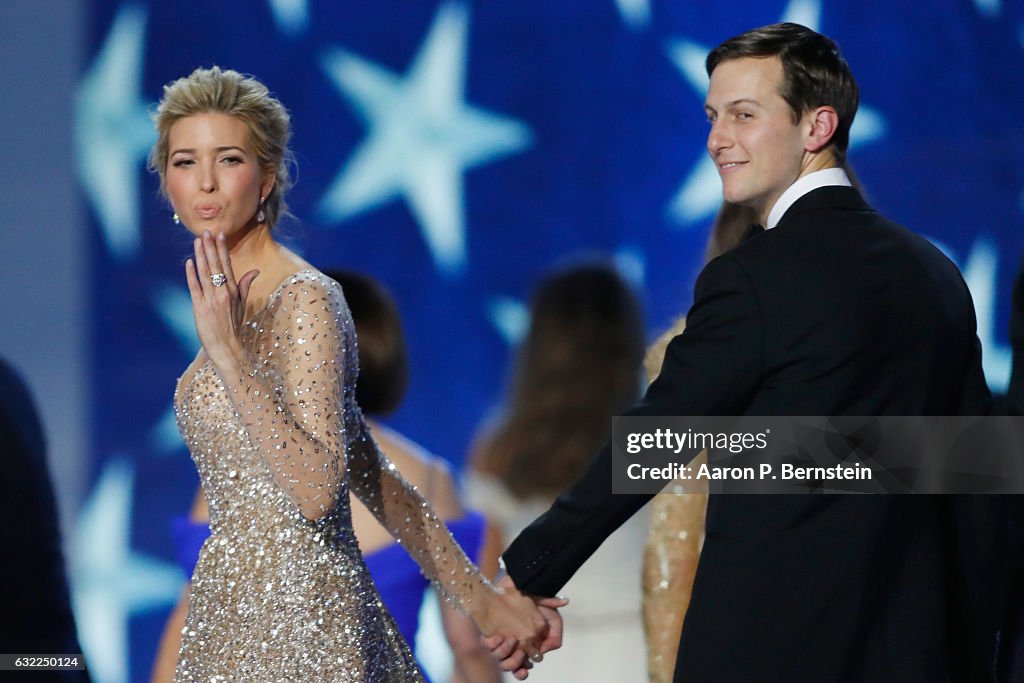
column 512, row 641
column 219, row 310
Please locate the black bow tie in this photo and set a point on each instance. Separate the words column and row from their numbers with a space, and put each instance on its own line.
column 752, row 231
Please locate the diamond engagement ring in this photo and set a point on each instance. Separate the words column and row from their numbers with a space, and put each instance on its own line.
column 218, row 279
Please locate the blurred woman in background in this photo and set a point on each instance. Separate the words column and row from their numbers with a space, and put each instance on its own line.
column 578, row 365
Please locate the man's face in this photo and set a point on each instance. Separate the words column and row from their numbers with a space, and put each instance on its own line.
column 753, row 141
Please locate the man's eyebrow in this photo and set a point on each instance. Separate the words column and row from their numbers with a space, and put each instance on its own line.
column 733, row 103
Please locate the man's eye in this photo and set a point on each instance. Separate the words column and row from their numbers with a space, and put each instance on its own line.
column 744, row 115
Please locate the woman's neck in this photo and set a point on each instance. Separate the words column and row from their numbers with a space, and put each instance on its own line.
column 251, row 249
column 256, row 249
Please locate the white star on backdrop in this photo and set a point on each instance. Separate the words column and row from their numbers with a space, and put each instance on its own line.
column 422, row 137
column 635, row 13
column 174, row 304
column 980, row 272
column 701, row 193
column 510, row 316
column 164, row 436
column 804, row 12
column 291, row 16
column 631, row 263
column 175, row 308
column 990, row 8
column 113, row 132
column 110, row 582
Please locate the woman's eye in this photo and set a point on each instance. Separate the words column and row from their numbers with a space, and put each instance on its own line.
column 182, row 162
column 231, row 160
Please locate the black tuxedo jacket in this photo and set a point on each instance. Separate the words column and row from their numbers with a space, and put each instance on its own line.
column 835, row 311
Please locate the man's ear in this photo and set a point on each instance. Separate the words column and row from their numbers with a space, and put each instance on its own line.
column 822, row 122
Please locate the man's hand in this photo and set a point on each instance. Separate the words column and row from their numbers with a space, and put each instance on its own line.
column 510, row 653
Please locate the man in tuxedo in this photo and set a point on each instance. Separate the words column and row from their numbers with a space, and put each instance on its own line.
column 831, row 309
column 1013, row 661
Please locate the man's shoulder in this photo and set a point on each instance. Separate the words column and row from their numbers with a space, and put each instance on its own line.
column 832, row 232
column 839, row 213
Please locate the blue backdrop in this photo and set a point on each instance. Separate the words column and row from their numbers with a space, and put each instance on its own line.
column 457, row 150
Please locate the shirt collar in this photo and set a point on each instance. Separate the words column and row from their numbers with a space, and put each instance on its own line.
column 811, row 181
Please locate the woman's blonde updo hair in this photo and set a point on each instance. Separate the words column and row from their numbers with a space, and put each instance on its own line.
column 225, row 91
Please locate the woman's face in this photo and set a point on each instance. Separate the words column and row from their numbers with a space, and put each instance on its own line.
column 213, row 178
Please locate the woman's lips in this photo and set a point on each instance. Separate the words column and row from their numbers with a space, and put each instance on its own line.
column 207, row 211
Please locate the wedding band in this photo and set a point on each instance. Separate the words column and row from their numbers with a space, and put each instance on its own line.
column 218, row 279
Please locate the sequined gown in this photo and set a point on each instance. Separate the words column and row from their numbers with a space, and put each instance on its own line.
column 280, row 591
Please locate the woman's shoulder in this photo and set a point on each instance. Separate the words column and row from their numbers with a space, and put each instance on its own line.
column 308, row 280
column 306, row 290
column 294, row 274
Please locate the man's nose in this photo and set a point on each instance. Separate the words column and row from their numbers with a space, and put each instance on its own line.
column 718, row 138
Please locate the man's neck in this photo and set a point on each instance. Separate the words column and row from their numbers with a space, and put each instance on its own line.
column 825, row 177
column 812, row 162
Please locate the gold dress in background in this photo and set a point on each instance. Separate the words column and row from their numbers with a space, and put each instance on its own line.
column 671, row 554
column 672, row 549
column 280, row 591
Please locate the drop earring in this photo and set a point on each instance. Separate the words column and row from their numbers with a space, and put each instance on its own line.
column 261, row 215
column 177, row 221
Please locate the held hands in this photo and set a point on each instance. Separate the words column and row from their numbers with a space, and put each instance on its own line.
column 517, row 654
column 219, row 309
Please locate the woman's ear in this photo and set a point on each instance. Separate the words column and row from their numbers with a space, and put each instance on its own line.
column 267, row 185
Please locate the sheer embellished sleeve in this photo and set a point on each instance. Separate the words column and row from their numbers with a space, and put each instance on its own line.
column 400, row 508
column 289, row 394
column 296, row 397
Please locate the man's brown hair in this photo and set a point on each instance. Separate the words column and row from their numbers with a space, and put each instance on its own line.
column 814, row 73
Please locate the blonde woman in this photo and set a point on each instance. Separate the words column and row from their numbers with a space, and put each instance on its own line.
column 268, row 412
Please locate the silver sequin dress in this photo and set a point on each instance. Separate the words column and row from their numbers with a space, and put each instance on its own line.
column 280, row 591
